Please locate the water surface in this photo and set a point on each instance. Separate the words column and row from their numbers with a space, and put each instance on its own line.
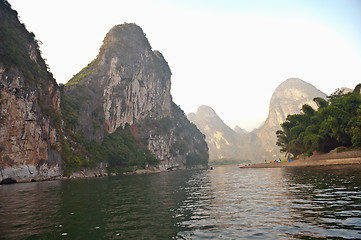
column 224, row 203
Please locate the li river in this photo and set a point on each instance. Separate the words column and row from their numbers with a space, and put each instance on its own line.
column 224, row 203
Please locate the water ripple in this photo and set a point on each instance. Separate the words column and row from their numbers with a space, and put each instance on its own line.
column 225, row 203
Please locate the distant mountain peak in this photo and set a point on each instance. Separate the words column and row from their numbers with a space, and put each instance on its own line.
column 288, row 98
column 223, row 142
column 126, row 35
column 259, row 144
column 239, row 130
column 207, row 110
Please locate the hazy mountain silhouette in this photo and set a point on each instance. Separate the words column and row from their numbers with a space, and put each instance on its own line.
column 259, row 144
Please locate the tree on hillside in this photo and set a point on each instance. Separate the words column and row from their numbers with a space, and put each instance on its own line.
column 337, row 122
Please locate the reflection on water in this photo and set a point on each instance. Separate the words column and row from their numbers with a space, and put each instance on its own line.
column 226, row 203
column 28, row 209
column 326, row 201
column 235, row 203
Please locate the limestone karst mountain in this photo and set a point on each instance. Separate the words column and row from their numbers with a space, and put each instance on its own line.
column 116, row 112
column 288, row 98
column 239, row 130
column 29, row 105
column 260, row 144
column 223, row 142
column 220, row 138
column 129, row 84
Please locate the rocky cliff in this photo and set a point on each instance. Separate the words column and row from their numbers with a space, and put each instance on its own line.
column 29, row 105
column 260, row 144
column 117, row 113
column 129, row 84
column 223, row 142
column 221, row 139
column 288, row 98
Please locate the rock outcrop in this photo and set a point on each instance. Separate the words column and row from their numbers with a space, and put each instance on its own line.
column 223, row 142
column 260, row 144
column 129, row 83
column 221, row 139
column 118, row 111
column 29, row 105
column 288, row 98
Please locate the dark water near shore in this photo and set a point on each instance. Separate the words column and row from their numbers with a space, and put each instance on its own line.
column 226, row 203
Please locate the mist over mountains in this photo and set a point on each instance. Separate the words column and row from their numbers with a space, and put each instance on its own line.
column 259, row 144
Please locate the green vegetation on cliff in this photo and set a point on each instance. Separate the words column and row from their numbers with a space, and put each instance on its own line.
column 188, row 133
column 188, row 140
column 140, row 80
column 16, row 45
column 20, row 54
column 336, row 123
column 82, row 130
column 84, row 73
column 121, row 149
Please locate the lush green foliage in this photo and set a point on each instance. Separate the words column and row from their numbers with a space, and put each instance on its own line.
column 336, row 123
column 188, row 140
column 120, row 150
column 70, row 109
column 123, row 149
column 15, row 45
column 85, row 72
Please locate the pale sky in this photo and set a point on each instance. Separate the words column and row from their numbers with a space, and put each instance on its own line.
column 227, row 54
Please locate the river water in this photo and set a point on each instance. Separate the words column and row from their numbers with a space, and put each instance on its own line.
column 224, row 203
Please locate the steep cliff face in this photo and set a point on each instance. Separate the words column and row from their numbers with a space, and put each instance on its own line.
column 29, row 105
column 221, row 139
column 288, row 98
column 223, row 142
column 260, row 144
column 129, row 83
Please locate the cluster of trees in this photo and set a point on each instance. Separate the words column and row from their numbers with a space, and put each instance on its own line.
column 121, row 150
column 337, row 122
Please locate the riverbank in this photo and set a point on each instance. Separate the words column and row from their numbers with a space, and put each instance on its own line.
column 94, row 173
column 332, row 158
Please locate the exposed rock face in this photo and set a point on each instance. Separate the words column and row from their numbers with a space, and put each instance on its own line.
column 220, row 138
column 260, row 144
column 136, row 81
column 29, row 142
column 288, row 98
column 223, row 142
column 125, row 83
column 129, row 83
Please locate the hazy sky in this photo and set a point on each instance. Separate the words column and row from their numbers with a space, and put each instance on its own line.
column 227, row 54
